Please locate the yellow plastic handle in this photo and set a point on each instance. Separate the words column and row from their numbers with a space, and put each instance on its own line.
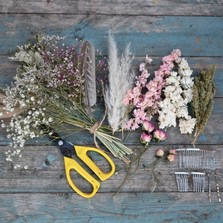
column 81, row 152
column 71, row 164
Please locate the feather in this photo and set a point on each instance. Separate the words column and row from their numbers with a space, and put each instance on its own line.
column 120, row 81
column 87, row 69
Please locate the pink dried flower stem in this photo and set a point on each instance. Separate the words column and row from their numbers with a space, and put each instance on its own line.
column 161, row 155
column 146, row 104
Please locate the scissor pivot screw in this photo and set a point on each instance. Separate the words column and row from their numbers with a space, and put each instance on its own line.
column 60, row 142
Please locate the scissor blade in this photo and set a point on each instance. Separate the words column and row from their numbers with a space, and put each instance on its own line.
column 66, row 148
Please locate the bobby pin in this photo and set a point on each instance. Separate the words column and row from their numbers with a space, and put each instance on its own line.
column 217, row 186
column 209, row 187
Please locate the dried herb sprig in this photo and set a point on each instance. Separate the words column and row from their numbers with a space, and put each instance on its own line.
column 202, row 103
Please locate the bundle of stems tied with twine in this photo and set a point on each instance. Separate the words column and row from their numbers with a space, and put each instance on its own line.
column 55, row 86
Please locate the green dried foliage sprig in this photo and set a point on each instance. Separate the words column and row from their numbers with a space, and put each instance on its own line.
column 202, row 103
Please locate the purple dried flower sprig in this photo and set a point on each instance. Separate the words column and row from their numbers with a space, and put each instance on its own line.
column 64, row 62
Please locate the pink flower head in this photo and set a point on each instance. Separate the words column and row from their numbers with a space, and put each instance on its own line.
column 172, row 151
column 160, row 135
column 139, row 115
column 171, row 157
column 145, row 138
column 160, row 153
column 148, row 126
column 131, row 124
column 176, row 54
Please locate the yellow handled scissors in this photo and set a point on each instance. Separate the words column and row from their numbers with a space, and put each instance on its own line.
column 68, row 150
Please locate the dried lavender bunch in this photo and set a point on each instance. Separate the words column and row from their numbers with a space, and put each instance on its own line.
column 202, row 102
column 120, row 81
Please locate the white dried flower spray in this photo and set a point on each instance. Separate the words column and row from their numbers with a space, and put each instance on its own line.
column 120, row 81
column 178, row 93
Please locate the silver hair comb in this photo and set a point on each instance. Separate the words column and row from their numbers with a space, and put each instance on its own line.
column 196, row 158
column 198, row 181
column 182, row 181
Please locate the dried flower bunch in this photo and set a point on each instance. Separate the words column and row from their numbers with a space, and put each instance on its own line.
column 202, row 104
column 165, row 97
column 55, row 86
column 146, row 95
column 50, row 90
column 177, row 96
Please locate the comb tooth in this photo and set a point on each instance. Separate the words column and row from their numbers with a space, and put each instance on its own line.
column 180, row 159
column 198, row 158
column 194, row 182
column 194, row 155
column 184, row 158
column 203, row 188
column 186, row 184
column 203, row 159
column 213, row 160
column 187, row 158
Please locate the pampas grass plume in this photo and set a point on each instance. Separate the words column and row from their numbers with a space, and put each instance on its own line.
column 120, row 81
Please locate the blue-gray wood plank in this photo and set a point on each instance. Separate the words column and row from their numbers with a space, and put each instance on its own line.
column 124, row 208
column 41, row 194
column 195, row 36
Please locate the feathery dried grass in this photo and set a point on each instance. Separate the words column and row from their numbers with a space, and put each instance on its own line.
column 120, row 81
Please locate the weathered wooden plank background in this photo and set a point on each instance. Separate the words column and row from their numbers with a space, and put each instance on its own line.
column 154, row 27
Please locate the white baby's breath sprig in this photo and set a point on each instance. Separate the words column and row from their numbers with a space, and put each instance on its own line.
column 120, row 81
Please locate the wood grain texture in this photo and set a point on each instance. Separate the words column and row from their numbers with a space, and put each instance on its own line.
column 154, row 27
column 130, row 207
column 124, row 7
column 195, row 36
column 8, row 69
column 46, row 172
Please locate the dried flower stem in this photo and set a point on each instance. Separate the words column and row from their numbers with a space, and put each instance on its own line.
column 202, row 103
